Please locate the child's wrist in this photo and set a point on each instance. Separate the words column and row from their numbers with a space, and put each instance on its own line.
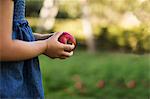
column 46, row 45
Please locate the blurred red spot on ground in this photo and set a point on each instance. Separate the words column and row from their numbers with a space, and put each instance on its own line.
column 100, row 84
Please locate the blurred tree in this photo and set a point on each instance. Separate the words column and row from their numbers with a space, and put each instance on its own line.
column 87, row 28
column 48, row 13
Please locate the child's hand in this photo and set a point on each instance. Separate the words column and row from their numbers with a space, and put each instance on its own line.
column 55, row 49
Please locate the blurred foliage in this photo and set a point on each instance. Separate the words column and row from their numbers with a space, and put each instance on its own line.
column 77, row 78
column 69, row 9
column 106, row 36
column 108, row 9
column 33, row 7
column 105, row 17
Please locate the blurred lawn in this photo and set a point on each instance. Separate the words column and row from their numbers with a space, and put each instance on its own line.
column 77, row 77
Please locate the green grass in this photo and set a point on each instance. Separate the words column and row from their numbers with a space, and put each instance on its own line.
column 116, row 69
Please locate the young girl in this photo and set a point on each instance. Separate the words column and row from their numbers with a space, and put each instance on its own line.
column 20, row 75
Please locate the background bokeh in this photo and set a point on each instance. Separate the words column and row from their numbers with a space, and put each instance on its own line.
column 112, row 59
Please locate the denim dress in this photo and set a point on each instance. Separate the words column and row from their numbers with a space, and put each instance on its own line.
column 21, row 79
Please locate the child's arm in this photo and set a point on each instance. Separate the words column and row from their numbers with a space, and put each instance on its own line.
column 14, row 50
column 39, row 36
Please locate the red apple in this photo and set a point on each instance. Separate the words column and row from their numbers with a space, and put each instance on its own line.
column 67, row 38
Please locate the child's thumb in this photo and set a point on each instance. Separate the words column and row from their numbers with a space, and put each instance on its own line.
column 58, row 34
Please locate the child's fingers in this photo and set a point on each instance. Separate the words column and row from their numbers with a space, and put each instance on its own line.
column 68, row 47
column 57, row 35
column 48, row 35
column 67, row 54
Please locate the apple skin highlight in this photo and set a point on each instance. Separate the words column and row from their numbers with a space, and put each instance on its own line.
column 67, row 38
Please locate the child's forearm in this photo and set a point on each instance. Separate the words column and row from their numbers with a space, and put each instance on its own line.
column 15, row 50
column 39, row 36
column 21, row 50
